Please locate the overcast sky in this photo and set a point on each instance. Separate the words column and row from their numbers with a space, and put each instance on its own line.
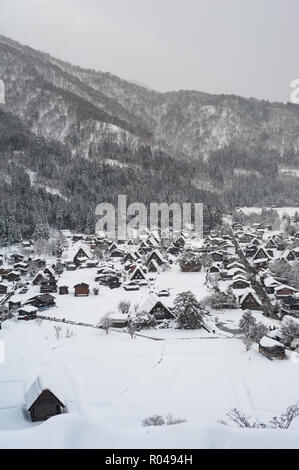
column 245, row 47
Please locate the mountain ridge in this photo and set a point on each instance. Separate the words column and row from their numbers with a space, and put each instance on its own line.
column 187, row 124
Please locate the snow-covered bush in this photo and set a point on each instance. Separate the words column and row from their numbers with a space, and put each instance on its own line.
column 145, row 321
column 155, row 420
column 289, row 331
column 221, row 300
column 158, row 420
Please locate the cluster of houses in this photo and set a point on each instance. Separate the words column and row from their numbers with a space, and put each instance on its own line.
column 262, row 251
column 242, row 258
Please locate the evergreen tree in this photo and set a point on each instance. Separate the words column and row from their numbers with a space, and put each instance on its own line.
column 188, row 311
column 247, row 322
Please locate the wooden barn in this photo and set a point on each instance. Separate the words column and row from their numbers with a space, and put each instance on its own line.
column 81, row 290
column 41, row 402
column 272, row 349
column 63, row 290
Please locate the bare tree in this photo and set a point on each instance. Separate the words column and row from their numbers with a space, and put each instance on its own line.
column 58, row 331
column 69, row 333
column 105, row 323
column 124, row 306
column 247, row 341
column 283, row 421
column 131, row 329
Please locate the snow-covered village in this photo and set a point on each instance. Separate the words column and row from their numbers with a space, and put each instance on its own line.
column 131, row 336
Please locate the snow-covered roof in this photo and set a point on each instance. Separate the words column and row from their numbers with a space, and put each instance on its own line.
column 150, row 302
column 280, row 287
column 80, row 246
column 154, row 263
column 137, row 269
column 235, row 264
column 40, row 385
column 271, row 282
column 267, row 342
column 250, row 291
column 28, row 309
column 260, row 260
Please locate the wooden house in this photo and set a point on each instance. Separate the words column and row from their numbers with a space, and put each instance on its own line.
column 138, row 274
column 291, row 303
column 41, row 402
column 119, row 320
column 117, row 253
column 235, row 264
column 284, row 291
column 3, row 289
column 81, row 253
column 153, row 306
column 271, row 244
column 214, row 269
column 131, row 286
column 153, row 266
column 49, row 286
column 217, row 256
column 155, row 255
column 13, row 276
column 250, row 301
column 81, row 290
column 270, row 284
column 42, row 301
column 272, row 349
column 239, row 284
column 164, row 293
column 28, row 312
column 131, row 257
column 49, row 272
column 289, row 255
column 261, row 254
column 71, row 267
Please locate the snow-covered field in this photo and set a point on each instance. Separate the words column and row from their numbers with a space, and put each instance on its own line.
column 91, row 309
column 110, row 383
